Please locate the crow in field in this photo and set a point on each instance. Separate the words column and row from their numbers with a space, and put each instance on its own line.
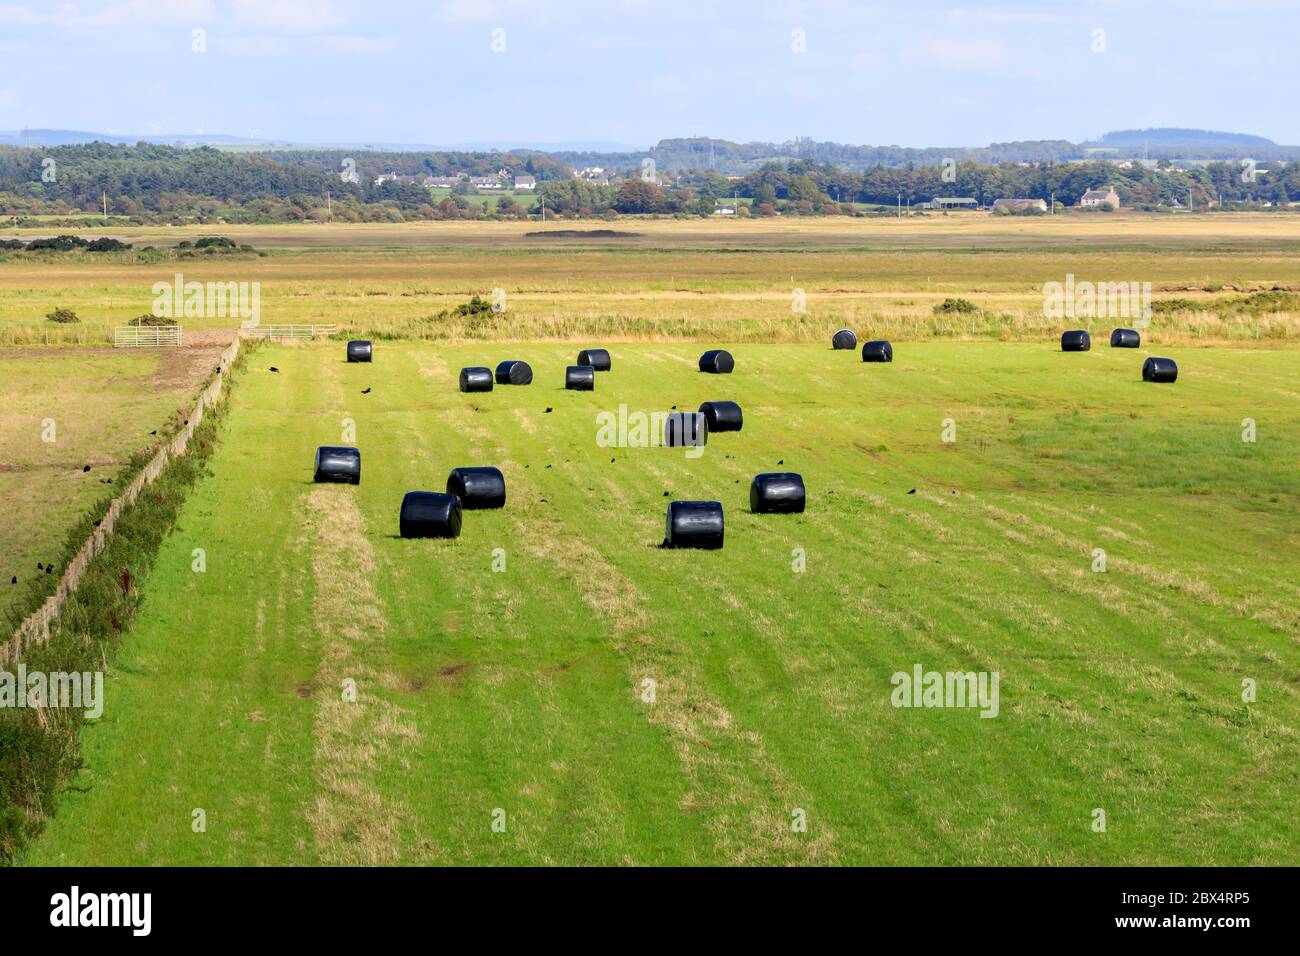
column 781, row 462
column 912, row 492
column 547, row 412
column 14, row 579
column 365, row 391
column 39, row 566
column 274, row 369
column 667, row 494
column 85, row 468
column 611, row 461
column 154, row 432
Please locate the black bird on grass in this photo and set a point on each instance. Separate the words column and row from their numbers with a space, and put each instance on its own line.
column 274, row 369
column 547, row 412
column 365, row 391
column 85, row 468
column 14, row 579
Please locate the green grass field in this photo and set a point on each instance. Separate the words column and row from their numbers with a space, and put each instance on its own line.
column 61, row 410
column 523, row 691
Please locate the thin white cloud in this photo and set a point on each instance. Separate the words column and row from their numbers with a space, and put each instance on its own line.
column 964, row 53
column 289, row 16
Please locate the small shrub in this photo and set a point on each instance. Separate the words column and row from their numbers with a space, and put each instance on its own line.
column 950, row 306
column 149, row 319
column 474, row 307
column 105, row 244
column 63, row 316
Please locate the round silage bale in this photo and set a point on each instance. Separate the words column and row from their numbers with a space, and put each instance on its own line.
column 1125, row 339
column 580, row 378
column 1157, row 369
column 844, row 339
column 777, row 492
column 1076, row 340
column 694, row 524
column 597, row 358
column 478, row 487
column 686, row 430
column 430, row 514
column 476, row 378
column 723, row 416
column 359, row 350
column 514, row 372
column 717, row 362
column 877, row 350
column 337, row 463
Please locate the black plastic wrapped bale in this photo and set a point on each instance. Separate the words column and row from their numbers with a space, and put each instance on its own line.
column 580, row 378
column 514, row 372
column 877, row 350
column 777, row 492
column 429, row 514
column 694, row 524
column 476, row 378
column 596, row 358
column 1076, row 340
column 844, row 339
column 717, row 361
column 723, row 416
column 1156, row 369
column 477, row 488
column 338, row 463
column 359, row 350
column 686, row 430
column 1125, row 339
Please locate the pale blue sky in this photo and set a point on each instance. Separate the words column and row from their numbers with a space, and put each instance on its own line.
column 915, row 73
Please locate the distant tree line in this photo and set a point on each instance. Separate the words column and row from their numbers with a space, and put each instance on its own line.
column 151, row 183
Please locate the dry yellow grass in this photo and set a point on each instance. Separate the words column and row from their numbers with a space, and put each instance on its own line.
column 686, row 279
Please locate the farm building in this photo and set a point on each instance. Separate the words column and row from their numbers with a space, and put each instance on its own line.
column 951, row 202
column 1096, row 198
column 1019, row 205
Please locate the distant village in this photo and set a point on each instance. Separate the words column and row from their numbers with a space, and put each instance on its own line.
column 503, row 182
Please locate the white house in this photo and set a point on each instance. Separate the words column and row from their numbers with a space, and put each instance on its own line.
column 1096, row 198
column 525, row 183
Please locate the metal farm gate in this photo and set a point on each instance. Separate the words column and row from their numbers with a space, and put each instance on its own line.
column 146, row 336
